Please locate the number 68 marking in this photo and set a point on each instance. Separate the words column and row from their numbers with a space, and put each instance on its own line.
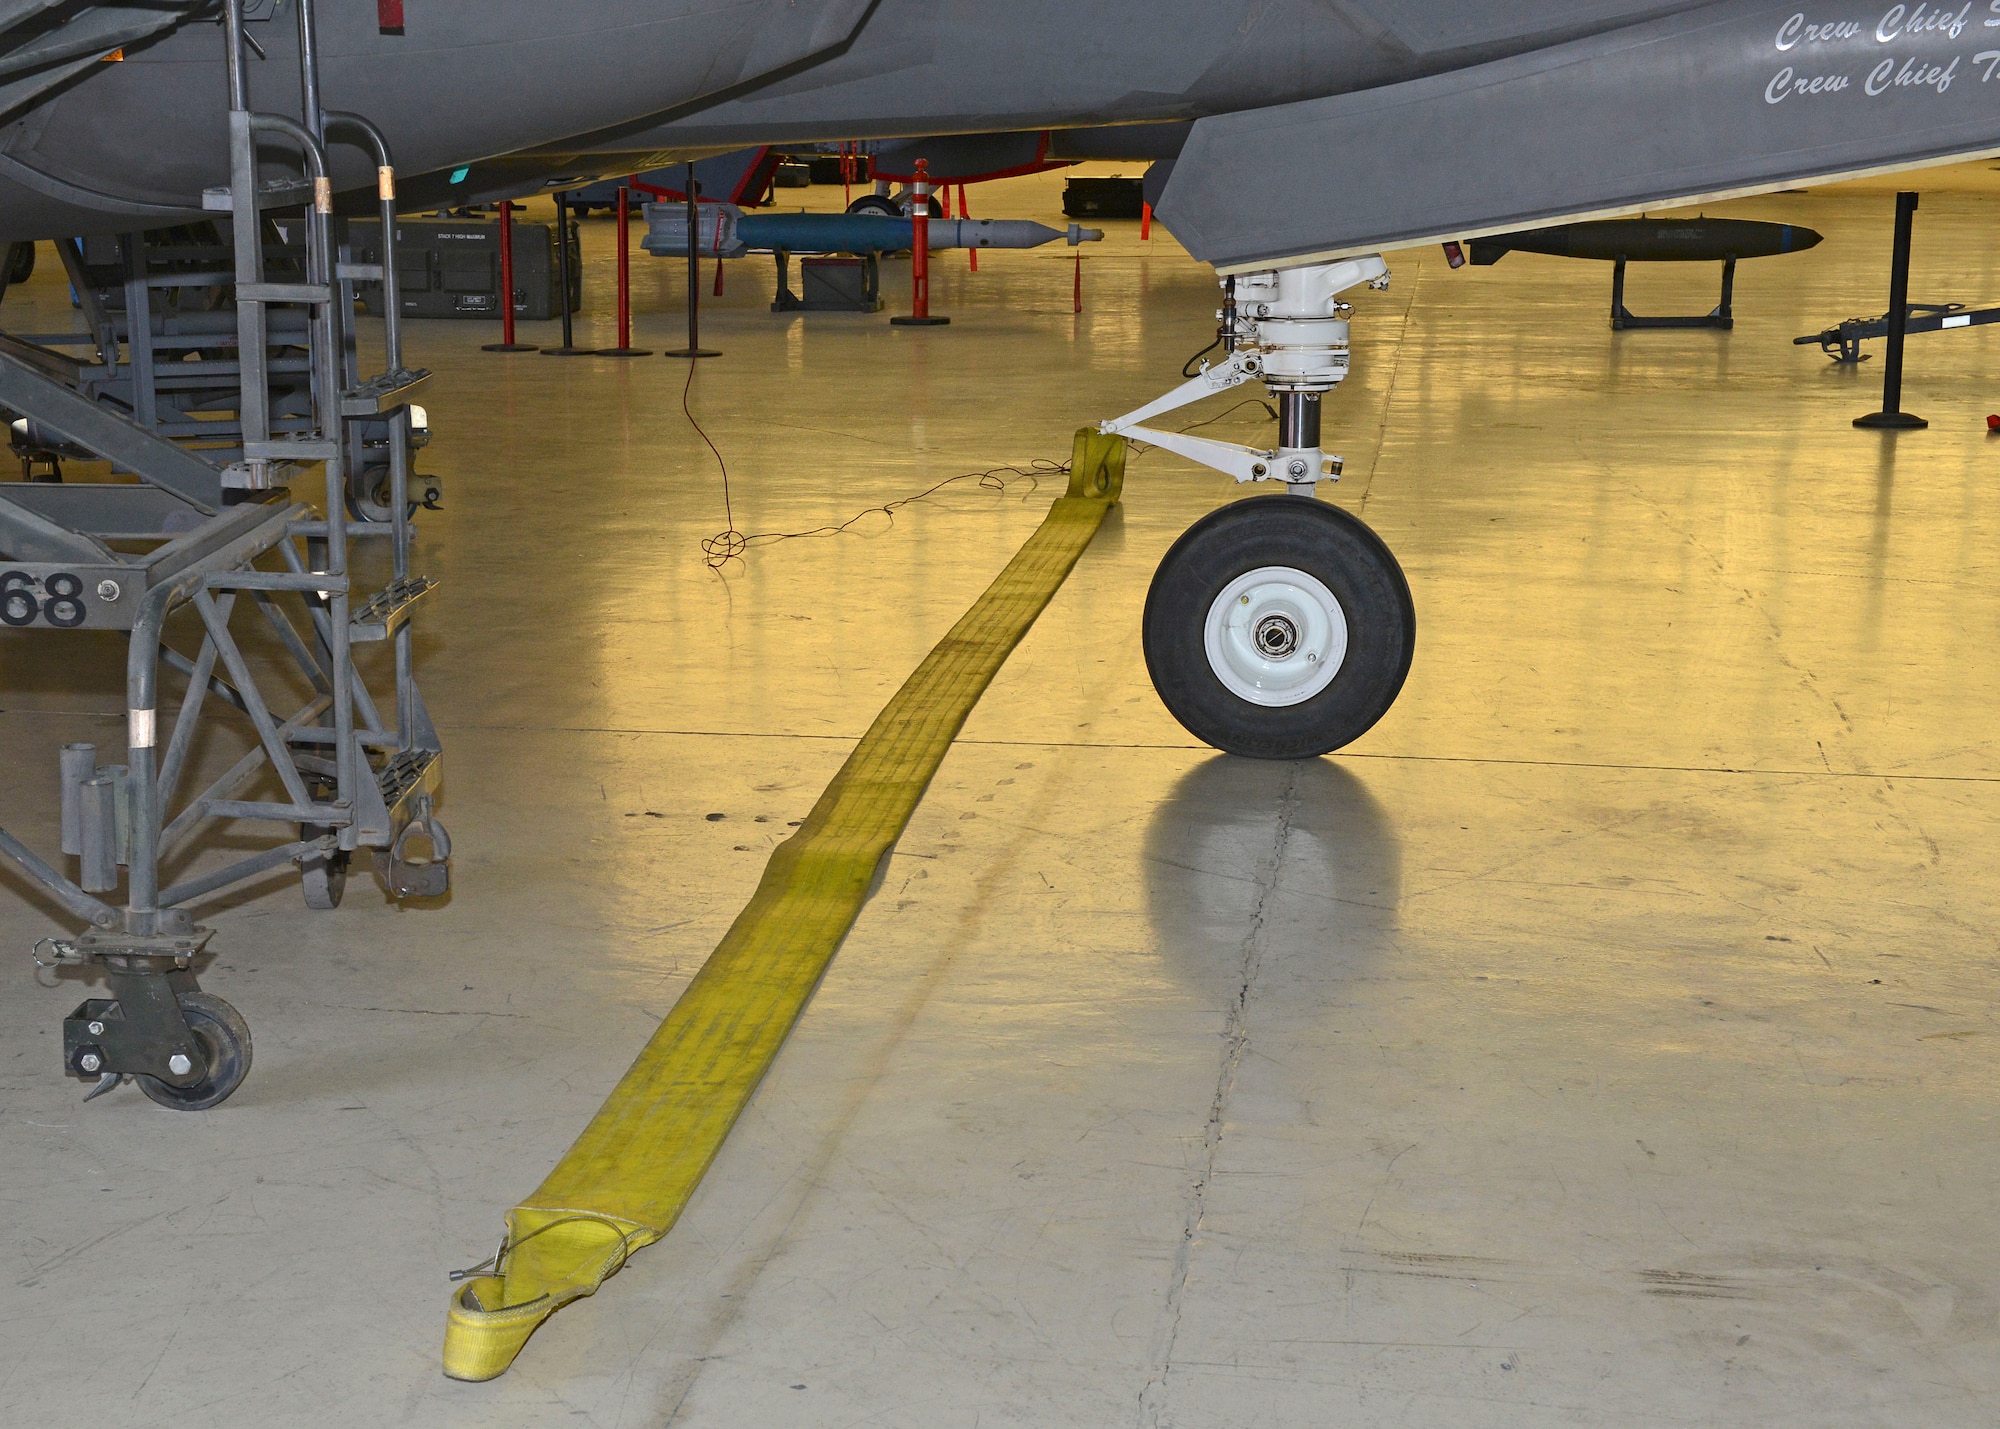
column 63, row 608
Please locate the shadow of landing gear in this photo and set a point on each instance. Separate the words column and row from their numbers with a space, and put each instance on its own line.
column 1215, row 845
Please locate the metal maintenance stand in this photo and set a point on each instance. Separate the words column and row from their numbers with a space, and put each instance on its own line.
column 348, row 775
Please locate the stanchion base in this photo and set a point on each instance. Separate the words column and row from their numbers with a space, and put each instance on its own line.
column 692, row 352
column 1891, row 422
column 624, row 352
column 918, row 322
column 510, row 347
column 569, row 352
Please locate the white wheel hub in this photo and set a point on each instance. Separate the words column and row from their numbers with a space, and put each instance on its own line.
column 1275, row 636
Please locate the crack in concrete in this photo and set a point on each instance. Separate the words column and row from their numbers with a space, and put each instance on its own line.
column 1235, row 1045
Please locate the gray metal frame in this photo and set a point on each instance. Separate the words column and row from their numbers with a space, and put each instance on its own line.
column 352, row 776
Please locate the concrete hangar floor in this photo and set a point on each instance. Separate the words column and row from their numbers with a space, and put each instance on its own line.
column 1606, row 1038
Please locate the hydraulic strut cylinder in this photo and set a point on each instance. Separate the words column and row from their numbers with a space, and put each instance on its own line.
column 1298, row 419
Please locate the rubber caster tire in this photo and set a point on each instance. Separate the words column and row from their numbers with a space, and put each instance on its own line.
column 1279, row 627
column 887, row 207
column 322, row 877
column 378, row 512
column 225, row 1039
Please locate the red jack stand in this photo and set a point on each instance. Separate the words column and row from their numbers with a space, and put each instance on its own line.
column 920, row 254
column 507, row 343
column 624, row 348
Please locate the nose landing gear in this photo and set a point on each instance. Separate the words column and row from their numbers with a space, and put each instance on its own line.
column 1279, row 627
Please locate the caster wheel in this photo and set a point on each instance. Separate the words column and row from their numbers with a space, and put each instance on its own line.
column 1279, row 628
column 370, row 499
column 890, row 208
column 323, row 876
column 378, row 510
column 225, row 1038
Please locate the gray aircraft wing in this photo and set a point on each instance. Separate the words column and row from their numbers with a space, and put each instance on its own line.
column 1729, row 99
column 99, row 146
column 45, row 43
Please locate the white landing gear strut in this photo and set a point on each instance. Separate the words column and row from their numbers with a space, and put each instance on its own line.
column 1278, row 628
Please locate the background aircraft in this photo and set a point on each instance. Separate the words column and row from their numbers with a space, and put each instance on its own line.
column 1303, row 133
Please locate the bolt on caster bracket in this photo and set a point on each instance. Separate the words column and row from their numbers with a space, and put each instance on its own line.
column 187, row 1049
column 141, row 1029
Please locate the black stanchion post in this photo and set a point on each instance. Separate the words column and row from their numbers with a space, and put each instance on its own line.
column 569, row 347
column 694, row 348
column 1892, row 417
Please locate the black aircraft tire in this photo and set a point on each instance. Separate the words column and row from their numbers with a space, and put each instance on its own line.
column 1310, row 587
column 23, row 266
column 225, row 1038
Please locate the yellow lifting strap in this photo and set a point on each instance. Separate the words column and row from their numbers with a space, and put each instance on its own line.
column 628, row 1177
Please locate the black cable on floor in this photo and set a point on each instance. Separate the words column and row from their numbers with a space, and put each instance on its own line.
column 731, row 544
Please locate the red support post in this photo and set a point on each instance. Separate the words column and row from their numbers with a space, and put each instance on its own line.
column 846, row 172
column 971, row 254
column 920, row 253
column 1078, row 291
column 1145, row 222
column 624, row 266
column 507, row 343
column 624, row 348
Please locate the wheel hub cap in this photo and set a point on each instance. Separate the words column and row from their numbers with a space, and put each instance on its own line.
column 1276, row 636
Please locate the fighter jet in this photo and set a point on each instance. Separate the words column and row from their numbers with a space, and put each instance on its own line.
column 1306, row 138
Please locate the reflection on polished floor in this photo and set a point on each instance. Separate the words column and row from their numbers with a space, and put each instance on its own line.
column 1607, row 1038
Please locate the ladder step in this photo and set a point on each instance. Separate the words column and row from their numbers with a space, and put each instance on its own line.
column 283, row 293
column 292, row 449
column 389, row 608
column 171, row 376
column 238, row 476
column 272, row 193
column 385, row 393
column 358, row 272
column 406, row 775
